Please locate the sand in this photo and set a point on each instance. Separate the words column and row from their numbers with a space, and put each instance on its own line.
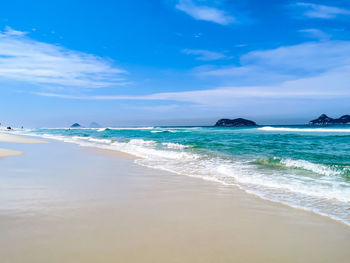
column 63, row 203
column 5, row 137
column 9, row 138
column 6, row 152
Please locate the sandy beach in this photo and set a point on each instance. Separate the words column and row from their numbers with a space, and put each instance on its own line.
column 175, row 131
column 64, row 203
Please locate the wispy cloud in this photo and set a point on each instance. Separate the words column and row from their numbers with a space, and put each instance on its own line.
column 26, row 60
column 315, row 33
column 206, row 13
column 318, row 87
column 204, row 55
column 11, row 32
column 321, row 11
column 309, row 71
column 283, row 63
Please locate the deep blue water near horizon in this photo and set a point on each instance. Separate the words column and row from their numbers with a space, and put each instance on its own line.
column 298, row 165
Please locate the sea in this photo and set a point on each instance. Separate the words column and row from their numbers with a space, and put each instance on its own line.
column 306, row 167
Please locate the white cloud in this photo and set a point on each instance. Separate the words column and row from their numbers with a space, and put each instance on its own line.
column 322, row 11
column 26, row 60
column 206, row 13
column 11, row 32
column 204, row 55
column 283, row 63
column 306, row 57
column 332, row 84
column 315, row 33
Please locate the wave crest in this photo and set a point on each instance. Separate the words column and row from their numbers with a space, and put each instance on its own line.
column 320, row 169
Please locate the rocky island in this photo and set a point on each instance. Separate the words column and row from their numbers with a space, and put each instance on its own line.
column 76, row 125
column 325, row 120
column 240, row 122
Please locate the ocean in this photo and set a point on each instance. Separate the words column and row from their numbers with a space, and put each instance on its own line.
column 305, row 167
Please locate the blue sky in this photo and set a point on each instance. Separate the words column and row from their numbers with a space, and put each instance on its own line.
column 173, row 62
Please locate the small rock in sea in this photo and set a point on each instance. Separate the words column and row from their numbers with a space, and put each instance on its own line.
column 76, row 125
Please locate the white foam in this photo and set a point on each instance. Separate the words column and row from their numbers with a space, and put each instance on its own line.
column 138, row 147
column 177, row 146
column 321, row 188
column 268, row 128
column 313, row 167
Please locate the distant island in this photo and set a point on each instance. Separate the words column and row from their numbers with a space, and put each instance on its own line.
column 76, row 125
column 240, row 122
column 325, row 120
column 94, row 125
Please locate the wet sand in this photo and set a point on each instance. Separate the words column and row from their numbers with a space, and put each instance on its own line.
column 5, row 137
column 63, row 203
column 6, row 152
column 9, row 138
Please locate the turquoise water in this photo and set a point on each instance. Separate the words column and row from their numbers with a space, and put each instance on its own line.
column 301, row 166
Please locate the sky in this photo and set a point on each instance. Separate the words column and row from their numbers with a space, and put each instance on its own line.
column 172, row 62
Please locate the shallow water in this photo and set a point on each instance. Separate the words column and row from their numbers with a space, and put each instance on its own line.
column 301, row 166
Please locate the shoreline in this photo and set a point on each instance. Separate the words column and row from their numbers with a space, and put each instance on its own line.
column 111, row 153
column 65, row 203
column 121, row 154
